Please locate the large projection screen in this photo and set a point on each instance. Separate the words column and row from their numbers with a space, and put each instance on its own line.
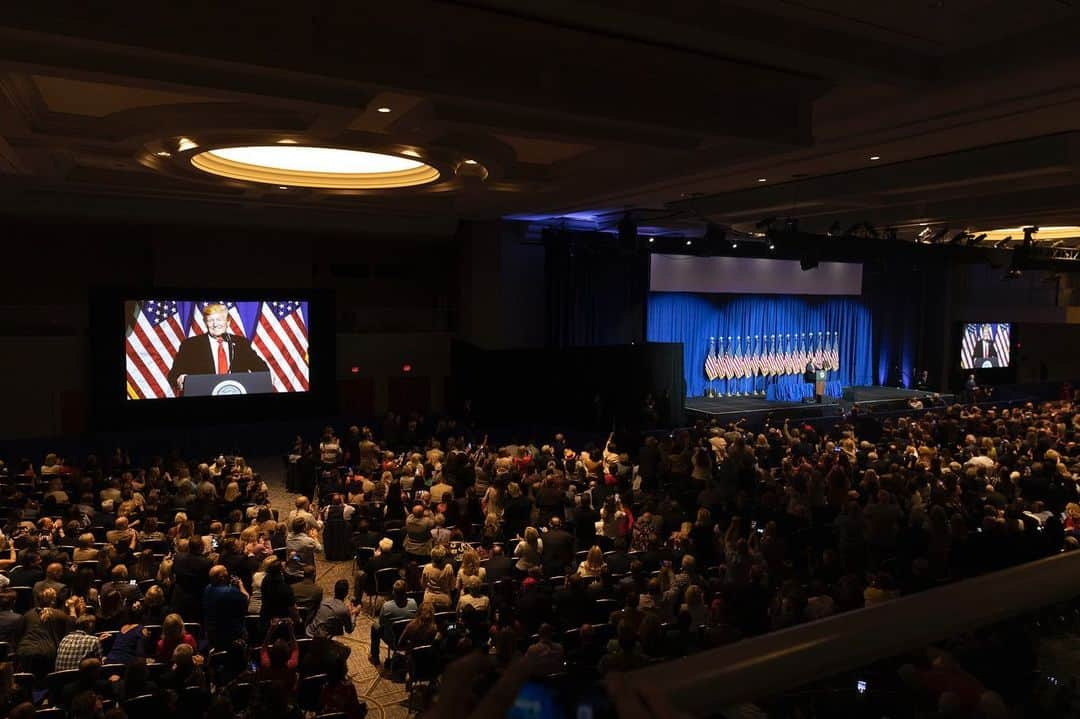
column 748, row 275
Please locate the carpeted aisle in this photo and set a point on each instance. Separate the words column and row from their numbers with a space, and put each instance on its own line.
column 385, row 699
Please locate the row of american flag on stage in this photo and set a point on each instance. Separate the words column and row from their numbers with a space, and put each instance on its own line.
column 770, row 355
column 277, row 330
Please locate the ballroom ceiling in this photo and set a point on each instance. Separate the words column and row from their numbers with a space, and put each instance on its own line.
column 725, row 111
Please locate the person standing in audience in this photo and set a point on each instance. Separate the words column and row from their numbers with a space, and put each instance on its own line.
column 418, row 528
column 225, row 603
column 302, row 545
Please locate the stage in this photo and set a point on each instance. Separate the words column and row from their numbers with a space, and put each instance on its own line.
column 728, row 409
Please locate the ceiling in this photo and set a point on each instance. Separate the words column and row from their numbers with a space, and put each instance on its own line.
column 583, row 107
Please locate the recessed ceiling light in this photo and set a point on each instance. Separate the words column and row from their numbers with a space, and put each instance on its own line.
column 286, row 141
column 163, row 153
column 384, row 110
column 282, row 187
column 762, row 179
column 470, row 162
column 324, row 167
column 875, row 157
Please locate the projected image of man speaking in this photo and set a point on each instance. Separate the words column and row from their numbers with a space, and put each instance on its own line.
column 216, row 352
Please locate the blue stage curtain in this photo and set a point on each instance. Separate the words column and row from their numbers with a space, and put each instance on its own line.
column 692, row 319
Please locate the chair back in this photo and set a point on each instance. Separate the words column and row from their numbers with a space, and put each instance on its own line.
column 425, row 664
column 311, row 692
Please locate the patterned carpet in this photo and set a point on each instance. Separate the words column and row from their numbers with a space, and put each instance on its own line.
column 385, row 699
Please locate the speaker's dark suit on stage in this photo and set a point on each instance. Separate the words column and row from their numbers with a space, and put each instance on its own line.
column 197, row 355
column 985, row 354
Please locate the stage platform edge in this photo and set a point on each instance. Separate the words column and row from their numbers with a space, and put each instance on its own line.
column 881, row 399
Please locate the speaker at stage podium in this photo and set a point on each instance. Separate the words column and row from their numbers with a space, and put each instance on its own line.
column 230, row 383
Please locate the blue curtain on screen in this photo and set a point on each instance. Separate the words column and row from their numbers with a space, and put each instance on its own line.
column 693, row 318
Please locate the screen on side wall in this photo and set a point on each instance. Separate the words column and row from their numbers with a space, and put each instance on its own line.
column 212, row 347
column 985, row 345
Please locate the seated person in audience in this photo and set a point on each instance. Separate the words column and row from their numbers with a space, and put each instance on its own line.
column 594, row 566
column 120, row 583
column 135, row 682
column 546, row 654
column 398, row 607
column 81, row 643
column 128, row 638
column 29, row 571
column 339, row 694
column 421, row 630
column 471, row 596
column 173, row 634
column 334, row 616
column 88, row 680
column 12, row 623
column 54, row 580
column 184, row 670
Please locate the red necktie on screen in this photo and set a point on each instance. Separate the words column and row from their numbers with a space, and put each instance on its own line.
column 222, row 357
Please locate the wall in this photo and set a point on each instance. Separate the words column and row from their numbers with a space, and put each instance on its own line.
column 401, row 290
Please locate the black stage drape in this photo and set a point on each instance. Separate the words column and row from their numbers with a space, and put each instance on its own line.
column 577, row 387
column 596, row 290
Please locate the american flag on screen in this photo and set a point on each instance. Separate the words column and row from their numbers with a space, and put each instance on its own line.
column 152, row 341
column 198, row 322
column 281, row 339
column 998, row 342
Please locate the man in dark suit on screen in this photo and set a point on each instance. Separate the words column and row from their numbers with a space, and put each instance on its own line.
column 985, row 353
column 216, row 352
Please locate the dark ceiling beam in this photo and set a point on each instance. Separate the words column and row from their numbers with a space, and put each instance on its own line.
column 330, row 54
column 744, row 34
column 1043, row 156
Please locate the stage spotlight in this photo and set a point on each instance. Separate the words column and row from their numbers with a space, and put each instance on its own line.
column 1004, row 242
column 976, row 239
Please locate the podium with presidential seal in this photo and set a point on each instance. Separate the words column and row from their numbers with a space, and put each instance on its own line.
column 230, row 383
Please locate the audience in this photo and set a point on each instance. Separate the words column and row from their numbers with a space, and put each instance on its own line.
column 717, row 533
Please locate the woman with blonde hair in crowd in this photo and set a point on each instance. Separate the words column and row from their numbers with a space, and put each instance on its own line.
column 470, row 567
column 438, row 579
column 594, row 565
column 529, row 551
column 173, row 634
